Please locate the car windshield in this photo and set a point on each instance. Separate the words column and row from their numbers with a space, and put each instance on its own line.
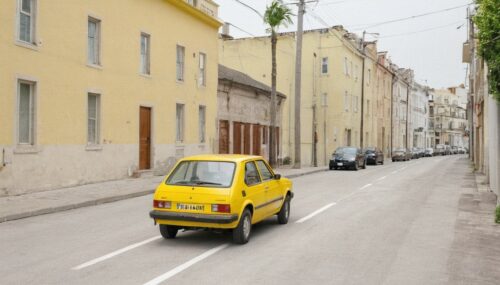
column 400, row 150
column 203, row 173
column 346, row 150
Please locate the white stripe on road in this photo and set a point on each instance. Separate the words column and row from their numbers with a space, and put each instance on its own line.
column 114, row 253
column 186, row 265
column 366, row 186
column 382, row 178
column 395, row 171
column 404, row 167
column 315, row 213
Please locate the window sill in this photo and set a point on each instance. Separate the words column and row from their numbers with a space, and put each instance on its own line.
column 27, row 45
column 26, row 149
column 145, row 75
column 96, row 66
column 93, row 147
column 179, row 81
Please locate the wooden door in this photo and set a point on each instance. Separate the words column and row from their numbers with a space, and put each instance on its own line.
column 246, row 138
column 237, row 138
column 145, row 138
column 223, row 136
column 256, row 139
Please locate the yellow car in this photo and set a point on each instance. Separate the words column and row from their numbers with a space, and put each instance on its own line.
column 229, row 192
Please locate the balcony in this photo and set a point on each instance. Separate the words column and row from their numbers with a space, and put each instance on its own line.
column 206, row 6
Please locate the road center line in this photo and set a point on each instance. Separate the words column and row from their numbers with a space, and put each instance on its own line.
column 114, row 253
column 366, row 186
column 186, row 265
column 382, row 178
column 315, row 213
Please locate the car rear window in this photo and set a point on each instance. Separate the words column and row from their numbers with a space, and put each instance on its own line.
column 203, row 174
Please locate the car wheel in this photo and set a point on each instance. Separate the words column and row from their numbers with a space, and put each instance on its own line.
column 168, row 232
column 241, row 234
column 335, row 168
column 284, row 213
column 331, row 167
column 364, row 165
column 382, row 162
column 356, row 165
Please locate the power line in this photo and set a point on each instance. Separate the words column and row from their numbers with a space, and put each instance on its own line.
column 250, row 7
column 366, row 26
column 422, row 31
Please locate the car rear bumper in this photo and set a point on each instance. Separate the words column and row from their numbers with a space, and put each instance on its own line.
column 345, row 163
column 190, row 217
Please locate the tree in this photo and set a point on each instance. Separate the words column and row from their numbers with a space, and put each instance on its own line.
column 487, row 20
column 276, row 15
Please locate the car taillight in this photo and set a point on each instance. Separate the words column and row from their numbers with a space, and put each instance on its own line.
column 162, row 204
column 221, row 208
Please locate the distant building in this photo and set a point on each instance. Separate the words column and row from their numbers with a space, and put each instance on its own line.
column 402, row 82
column 419, row 104
column 243, row 114
column 114, row 89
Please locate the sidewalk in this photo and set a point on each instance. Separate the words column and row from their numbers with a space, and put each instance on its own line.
column 40, row 203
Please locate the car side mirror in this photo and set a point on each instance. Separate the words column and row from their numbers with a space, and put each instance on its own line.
column 277, row 176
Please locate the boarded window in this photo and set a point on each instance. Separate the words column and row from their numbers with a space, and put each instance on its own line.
column 179, row 122
column 94, row 34
column 26, row 112
column 201, row 123
column 203, row 69
column 93, row 118
column 180, row 63
column 145, row 53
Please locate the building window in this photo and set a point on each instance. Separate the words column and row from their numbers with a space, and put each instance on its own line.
column 93, row 118
column 94, row 41
column 201, row 123
column 346, row 101
column 26, row 21
column 324, row 65
column 368, row 107
column 180, row 63
column 355, row 103
column 368, row 80
column 179, row 122
column 346, row 67
column 26, row 112
column 145, row 53
column 203, row 69
column 324, row 100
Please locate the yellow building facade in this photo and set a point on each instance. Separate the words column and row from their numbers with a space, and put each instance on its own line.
column 331, row 87
column 113, row 89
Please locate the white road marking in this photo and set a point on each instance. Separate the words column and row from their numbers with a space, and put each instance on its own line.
column 114, row 253
column 315, row 213
column 404, row 167
column 186, row 265
column 395, row 171
column 366, row 186
column 382, row 178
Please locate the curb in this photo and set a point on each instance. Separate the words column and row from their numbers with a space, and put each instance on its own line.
column 104, row 200
column 67, row 207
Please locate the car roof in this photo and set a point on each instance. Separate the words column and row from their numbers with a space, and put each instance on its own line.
column 223, row 157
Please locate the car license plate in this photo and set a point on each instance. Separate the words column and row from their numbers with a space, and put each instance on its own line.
column 190, row 207
column 340, row 164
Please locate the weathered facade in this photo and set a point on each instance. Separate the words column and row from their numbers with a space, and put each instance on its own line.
column 243, row 114
column 401, row 90
column 419, row 105
column 331, row 87
column 384, row 77
column 449, row 119
column 100, row 98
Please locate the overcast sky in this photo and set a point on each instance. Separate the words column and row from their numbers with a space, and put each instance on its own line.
column 430, row 45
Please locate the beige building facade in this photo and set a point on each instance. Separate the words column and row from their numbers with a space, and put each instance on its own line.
column 100, row 98
column 331, row 87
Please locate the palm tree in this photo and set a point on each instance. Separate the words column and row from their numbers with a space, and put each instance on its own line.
column 276, row 15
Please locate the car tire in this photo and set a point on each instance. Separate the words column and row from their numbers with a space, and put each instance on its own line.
column 356, row 166
column 241, row 234
column 168, row 232
column 331, row 167
column 364, row 165
column 284, row 213
column 335, row 168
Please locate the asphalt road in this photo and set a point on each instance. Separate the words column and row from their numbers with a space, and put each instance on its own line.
column 389, row 224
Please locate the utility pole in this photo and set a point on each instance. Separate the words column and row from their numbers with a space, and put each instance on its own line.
column 362, row 90
column 298, row 74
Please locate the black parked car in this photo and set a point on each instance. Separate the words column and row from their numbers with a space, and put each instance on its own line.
column 401, row 154
column 374, row 155
column 348, row 157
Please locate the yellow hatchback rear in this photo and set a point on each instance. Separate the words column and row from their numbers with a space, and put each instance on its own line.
column 219, row 192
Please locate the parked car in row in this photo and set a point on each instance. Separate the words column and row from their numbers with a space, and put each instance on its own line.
column 222, row 192
column 429, row 152
column 439, row 149
column 348, row 157
column 374, row 155
column 401, row 154
column 461, row 150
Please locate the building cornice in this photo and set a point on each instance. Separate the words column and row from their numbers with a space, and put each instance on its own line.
column 195, row 12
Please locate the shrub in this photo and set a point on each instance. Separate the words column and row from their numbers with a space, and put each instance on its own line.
column 497, row 215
